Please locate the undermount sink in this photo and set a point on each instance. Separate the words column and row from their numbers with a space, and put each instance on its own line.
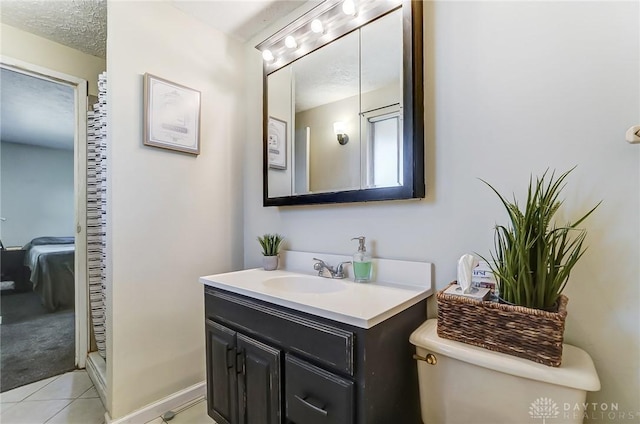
column 304, row 284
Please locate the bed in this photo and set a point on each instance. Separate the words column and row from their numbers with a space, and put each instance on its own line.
column 51, row 265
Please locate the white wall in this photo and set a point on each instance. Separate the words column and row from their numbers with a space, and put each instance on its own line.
column 30, row 48
column 173, row 217
column 37, row 192
column 511, row 89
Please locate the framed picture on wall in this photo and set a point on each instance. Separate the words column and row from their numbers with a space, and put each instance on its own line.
column 171, row 115
column 277, row 143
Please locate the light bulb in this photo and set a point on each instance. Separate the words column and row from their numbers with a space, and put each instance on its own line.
column 316, row 26
column 267, row 55
column 290, row 42
column 349, row 7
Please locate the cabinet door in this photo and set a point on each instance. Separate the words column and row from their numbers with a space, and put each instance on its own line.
column 258, row 382
column 222, row 390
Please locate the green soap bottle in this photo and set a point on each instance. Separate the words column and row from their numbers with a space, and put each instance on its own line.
column 362, row 266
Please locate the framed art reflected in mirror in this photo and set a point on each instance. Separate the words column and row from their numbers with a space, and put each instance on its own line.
column 277, row 143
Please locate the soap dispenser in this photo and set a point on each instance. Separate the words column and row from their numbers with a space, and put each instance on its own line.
column 361, row 262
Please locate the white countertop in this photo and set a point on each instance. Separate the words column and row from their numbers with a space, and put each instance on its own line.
column 359, row 304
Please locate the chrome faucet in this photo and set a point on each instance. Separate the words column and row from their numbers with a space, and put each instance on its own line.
column 327, row 271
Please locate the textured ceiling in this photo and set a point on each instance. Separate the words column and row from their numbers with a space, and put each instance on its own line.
column 241, row 19
column 79, row 24
column 36, row 111
column 82, row 24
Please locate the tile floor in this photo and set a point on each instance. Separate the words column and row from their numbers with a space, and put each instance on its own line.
column 71, row 399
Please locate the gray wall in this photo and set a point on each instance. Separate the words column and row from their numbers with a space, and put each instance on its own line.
column 36, row 187
column 511, row 88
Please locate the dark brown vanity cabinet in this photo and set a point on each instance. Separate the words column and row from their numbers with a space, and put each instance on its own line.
column 268, row 364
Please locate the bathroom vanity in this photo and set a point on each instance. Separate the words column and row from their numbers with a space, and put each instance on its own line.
column 283, row 348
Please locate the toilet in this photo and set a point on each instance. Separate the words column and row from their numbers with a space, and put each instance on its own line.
column 463, row 384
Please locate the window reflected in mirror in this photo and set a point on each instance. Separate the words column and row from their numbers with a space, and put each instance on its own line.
column 384, row 153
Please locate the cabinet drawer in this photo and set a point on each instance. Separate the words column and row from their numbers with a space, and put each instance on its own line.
column 316, row 396
column 329, row 345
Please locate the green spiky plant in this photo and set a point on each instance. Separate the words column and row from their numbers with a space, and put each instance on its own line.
column 270, row 244
column 533, row 256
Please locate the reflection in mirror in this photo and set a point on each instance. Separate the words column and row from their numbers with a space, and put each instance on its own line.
column 327, row 87
column 368, row 83
column 344, row 82
column 279, row 108
column 384, row 149
column 381, row 101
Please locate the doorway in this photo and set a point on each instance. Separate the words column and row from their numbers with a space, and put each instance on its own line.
column 71, row 238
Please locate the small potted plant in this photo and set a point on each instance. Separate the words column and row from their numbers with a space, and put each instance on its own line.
column 270, row 244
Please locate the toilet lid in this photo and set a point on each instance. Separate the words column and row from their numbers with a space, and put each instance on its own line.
column 577, row 370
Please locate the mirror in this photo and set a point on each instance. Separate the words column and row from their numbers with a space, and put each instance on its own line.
column 343, row 123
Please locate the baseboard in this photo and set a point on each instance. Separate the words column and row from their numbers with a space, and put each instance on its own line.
column 157, row 409
column 97, row 371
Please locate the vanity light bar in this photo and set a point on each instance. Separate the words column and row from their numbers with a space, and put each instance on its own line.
column 321, row 25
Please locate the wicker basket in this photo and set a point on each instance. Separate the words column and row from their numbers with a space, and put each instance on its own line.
column 515, row 330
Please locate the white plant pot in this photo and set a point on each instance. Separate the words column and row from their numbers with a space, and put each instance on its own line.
column 270, row 263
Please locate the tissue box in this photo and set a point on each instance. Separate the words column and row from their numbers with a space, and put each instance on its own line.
column 528, row 333
column 478, row 293
column 483, row 277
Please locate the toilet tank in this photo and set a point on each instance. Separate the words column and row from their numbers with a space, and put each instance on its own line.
column 468, row 384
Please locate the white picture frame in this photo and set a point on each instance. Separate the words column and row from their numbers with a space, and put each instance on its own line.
column 171, row 115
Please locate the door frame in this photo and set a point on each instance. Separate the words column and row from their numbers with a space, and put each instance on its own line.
column 79, row 86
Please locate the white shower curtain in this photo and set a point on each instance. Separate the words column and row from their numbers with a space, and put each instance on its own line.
column 96, row 212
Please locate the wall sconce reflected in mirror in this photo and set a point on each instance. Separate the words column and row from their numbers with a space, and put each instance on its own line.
column 339, row 129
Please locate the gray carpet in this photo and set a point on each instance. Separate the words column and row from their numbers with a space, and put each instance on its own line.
column 34, row 344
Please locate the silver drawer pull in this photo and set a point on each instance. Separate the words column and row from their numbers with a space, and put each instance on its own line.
column 312, row 406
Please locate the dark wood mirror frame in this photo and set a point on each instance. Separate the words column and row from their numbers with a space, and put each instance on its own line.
column 413, row 128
